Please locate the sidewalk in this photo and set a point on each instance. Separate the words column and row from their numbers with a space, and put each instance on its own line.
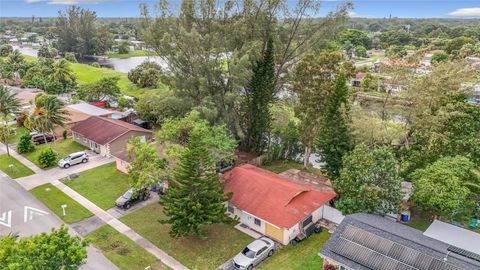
column 46, row 176
column 20, row 158
column 120, row 227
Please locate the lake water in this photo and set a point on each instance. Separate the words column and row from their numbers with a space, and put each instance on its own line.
column 121, row 65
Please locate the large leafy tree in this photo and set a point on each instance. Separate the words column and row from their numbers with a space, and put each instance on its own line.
column 146, row 168
column 440, row 121
column 334, row 139
column 9, row 104
column 314, row 80
column 105, row 89
column 77, row 31
column 175, row 135
column 369, row 182
column 447, row 187
column 211, row 47
column 356, row 38
column 57, row 250
column 260, row 93
column 195, row 197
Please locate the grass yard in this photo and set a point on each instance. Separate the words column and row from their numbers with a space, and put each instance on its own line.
column 89, row 74
column 122, row 251
column 15, row 137
column 222, row 240
column 129, row 54
column 101, row 185
column 419, row 223
column 304, row 255
column 18, row 169
column 62, row 147
column 279, row 166
column 53, row 198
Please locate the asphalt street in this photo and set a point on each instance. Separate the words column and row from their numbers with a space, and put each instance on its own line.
column 22, row 213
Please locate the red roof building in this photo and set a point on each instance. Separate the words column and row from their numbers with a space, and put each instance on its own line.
column 271, row 204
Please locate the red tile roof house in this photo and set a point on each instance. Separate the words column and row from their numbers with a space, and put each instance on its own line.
column 105, row 135
column 272, row 204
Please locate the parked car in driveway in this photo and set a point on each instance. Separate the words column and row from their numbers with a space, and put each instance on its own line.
column 131, row 197
column 41, row 138
column 72, row 159
column 254, row 253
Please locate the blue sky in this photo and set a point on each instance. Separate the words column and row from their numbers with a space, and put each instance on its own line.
column 363, row 8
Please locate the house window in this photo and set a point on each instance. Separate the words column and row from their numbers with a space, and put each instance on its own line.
column 230, row 209
column 257, row 222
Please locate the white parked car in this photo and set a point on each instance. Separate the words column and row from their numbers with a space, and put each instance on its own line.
column 72, row 159
column 254, row 253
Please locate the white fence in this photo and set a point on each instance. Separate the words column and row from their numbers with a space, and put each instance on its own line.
column 332, row 214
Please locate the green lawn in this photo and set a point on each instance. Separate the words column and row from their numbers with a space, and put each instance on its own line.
column 221, row 243
column 62, row 147
column 279, row 166
column 304, row 255
column 15, row 137
column 129, row 54
column 419, row 223
column 101, row 185
column 54, row 198
column 122, row 251
column 89, row 74
column 18, row 169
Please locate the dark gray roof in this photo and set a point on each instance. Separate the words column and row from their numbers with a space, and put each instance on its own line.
column 365, row 241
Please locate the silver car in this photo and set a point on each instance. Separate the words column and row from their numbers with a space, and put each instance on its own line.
column 254, row 253
column 72, row 159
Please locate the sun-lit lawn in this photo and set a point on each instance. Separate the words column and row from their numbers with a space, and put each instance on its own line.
column 122, row 251
column 129, row 54
column 222, row 241
column 101, row 185
column 279, row 166
column 62, row 147
column 89, row 74
column 18, row 132
column 304, row 255
column 54, row 198
column 16, row 170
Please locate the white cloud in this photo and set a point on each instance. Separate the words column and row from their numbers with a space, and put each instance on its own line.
column 466, row 12
column 67, row 2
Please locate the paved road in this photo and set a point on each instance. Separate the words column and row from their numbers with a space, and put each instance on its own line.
column 22, row 213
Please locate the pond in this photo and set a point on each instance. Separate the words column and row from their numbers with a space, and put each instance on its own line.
column 121, row 65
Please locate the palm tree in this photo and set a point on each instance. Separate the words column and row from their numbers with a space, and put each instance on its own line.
column 14, row 63
column 62, row 72
column 9, row 104
column 49, row 111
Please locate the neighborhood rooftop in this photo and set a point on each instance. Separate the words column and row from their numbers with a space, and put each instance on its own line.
column 366, row 241
column 89, row 109
column 103, row 130
column 284, row 205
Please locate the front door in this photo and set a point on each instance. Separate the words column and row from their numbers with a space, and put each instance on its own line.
column 94, row 147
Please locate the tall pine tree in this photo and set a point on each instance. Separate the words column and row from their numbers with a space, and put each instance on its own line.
column 334, row 139
column 260, row 93
column 195, row 197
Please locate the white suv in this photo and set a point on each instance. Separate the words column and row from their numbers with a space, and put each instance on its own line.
column 72, row 159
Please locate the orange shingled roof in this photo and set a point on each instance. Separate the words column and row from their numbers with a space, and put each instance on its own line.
column 272, row 198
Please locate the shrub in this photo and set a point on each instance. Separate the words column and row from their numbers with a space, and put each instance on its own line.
column 70, row 57
column 146, row 74
column 25, row 144
column 123, row 48
column 47, row 51
column 47, row 158
column 64, row 134
column 5, row 50
column 95, row 64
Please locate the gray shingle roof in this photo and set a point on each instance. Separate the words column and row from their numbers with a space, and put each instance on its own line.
column 365, row 241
